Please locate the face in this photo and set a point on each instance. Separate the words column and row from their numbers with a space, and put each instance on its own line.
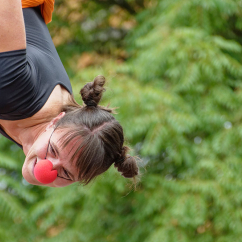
column 48, row 143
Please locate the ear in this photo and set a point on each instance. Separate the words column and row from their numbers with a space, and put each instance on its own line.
column 54, row 120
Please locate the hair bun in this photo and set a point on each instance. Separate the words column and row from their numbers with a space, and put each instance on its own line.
column 92, row 92
column 127, row 165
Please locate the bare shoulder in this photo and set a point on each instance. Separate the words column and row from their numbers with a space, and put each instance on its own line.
column 55, row 102
column 12, row 29
column 50, row 110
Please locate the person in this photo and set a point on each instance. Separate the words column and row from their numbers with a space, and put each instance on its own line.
column 39, row 113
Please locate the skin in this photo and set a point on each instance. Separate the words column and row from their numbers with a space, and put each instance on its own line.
column 12, row 34
column 59, row 157
column 33, row 133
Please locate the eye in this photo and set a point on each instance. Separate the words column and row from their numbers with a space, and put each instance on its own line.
column 52, row 150
column 66, row 174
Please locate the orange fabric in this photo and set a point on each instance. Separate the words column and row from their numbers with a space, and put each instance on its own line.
column 46, row 7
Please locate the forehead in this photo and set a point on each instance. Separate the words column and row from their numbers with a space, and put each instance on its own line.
column 67, row 142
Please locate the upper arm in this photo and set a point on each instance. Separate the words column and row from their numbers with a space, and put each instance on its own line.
column 12, row 29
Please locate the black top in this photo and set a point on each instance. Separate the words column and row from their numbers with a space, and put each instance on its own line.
column 27, row 77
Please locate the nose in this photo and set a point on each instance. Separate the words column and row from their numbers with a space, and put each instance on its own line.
column 44, row 172
column 56, row 164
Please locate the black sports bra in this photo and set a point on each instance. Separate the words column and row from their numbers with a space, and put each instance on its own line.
column 28, row 76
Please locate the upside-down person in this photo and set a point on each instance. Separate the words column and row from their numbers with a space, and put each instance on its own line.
column 63, row 141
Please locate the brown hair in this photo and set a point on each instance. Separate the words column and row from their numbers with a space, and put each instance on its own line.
column 97, row 134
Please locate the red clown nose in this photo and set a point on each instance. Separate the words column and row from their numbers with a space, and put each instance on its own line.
column 43, row 172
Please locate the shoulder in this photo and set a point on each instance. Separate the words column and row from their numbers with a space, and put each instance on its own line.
column 57, row 99
column 51, row 109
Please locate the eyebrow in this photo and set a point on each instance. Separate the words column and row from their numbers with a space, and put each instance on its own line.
column 58, row 153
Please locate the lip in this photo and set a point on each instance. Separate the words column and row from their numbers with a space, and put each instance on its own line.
column 35, row 162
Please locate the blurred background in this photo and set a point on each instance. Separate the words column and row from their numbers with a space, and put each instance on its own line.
column 174, row 69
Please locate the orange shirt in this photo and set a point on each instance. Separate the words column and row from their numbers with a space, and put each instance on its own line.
column 46, row 6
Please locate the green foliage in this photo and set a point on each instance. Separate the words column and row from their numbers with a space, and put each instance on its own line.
column 175, row 75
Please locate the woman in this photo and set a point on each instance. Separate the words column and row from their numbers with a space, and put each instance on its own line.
column 38, row 111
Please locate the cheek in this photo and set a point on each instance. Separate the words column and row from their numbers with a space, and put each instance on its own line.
column 41, row 149
column 41, row 145
column 37, row 151
column 61, row 182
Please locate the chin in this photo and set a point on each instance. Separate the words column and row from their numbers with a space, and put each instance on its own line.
column 28, row 172
column 28, row 178
column 31, row 180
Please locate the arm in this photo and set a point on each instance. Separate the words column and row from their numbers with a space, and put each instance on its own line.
column 12, row 29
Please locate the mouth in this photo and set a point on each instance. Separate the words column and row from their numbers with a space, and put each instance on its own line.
column 35, row 162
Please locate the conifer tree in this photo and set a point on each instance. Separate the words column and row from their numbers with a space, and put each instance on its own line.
column 179, row 96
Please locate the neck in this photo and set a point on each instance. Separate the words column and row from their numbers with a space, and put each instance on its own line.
column 26, row 131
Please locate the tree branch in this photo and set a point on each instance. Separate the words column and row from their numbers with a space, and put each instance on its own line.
column 121, row 3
